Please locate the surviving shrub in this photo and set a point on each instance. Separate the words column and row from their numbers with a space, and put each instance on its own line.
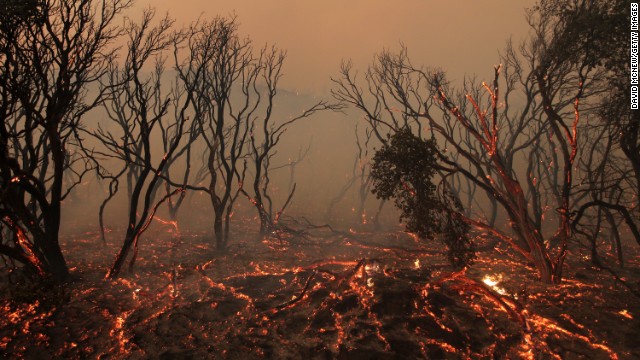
column 403, row 169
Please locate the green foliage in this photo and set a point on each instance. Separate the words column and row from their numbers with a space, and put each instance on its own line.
column 403, row 169
column 455, row 231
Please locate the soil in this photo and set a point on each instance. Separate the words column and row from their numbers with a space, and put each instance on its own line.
column 330, row 295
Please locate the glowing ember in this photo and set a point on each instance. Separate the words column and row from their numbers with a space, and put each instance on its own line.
column 118, row 332
column 490, row 281
column 493, row 281
column 546, row 326
column 370, row 282
column 172, row 223
column 376, row 297
column 626, row 314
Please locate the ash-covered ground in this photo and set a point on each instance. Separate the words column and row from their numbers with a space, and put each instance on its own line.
column 329, row 294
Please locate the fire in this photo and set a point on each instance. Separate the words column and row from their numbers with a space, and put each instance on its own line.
column 340, row 328
column 490, row 281
column 626, row 314
column 26, row 245
column 370, row 282
column 545, row 325
column 414, row 236
column 118, row 332
column 493, row 281
column 172, row 223
column 334, row 300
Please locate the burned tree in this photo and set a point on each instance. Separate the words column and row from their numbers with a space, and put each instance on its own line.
column 365, row 181
column 50, row 51
column 233, row 105
column 610, row 172
column 138, row 105
column 226, row 70
column 399, row 94
column 265, row 134
column 599, row 183
column 184, row 152
column 261, row 152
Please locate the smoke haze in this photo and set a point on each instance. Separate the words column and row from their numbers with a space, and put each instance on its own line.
column 461, row 37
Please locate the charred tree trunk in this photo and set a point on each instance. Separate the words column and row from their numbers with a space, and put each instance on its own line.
column 50, row 56
column 218, row 231
column 140, row 108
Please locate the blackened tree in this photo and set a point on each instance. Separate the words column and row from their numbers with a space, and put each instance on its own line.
column 265, row 135
column 594, row 33
column 141, row 107
column 557, row 91
column 222, row 105
column 50, row 52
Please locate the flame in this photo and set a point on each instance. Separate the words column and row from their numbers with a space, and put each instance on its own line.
column 370, row 282
column 493, row 281
column 118, row 332
column 626, row 314
column 26, row 245
column 545, row 325
column 172, row 223
column 151, row 298
column 490, row 281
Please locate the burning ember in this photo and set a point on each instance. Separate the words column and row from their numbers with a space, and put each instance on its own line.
column 626, row 314
column 493, row 281
column 375, row 300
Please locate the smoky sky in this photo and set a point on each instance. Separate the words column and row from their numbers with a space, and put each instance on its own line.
column 461, row 37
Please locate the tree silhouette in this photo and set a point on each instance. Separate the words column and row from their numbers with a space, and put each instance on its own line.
column 399, row 95
column 50, row 52
column 140, row 107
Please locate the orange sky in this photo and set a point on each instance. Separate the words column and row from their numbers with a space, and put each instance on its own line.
column 460, row 37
